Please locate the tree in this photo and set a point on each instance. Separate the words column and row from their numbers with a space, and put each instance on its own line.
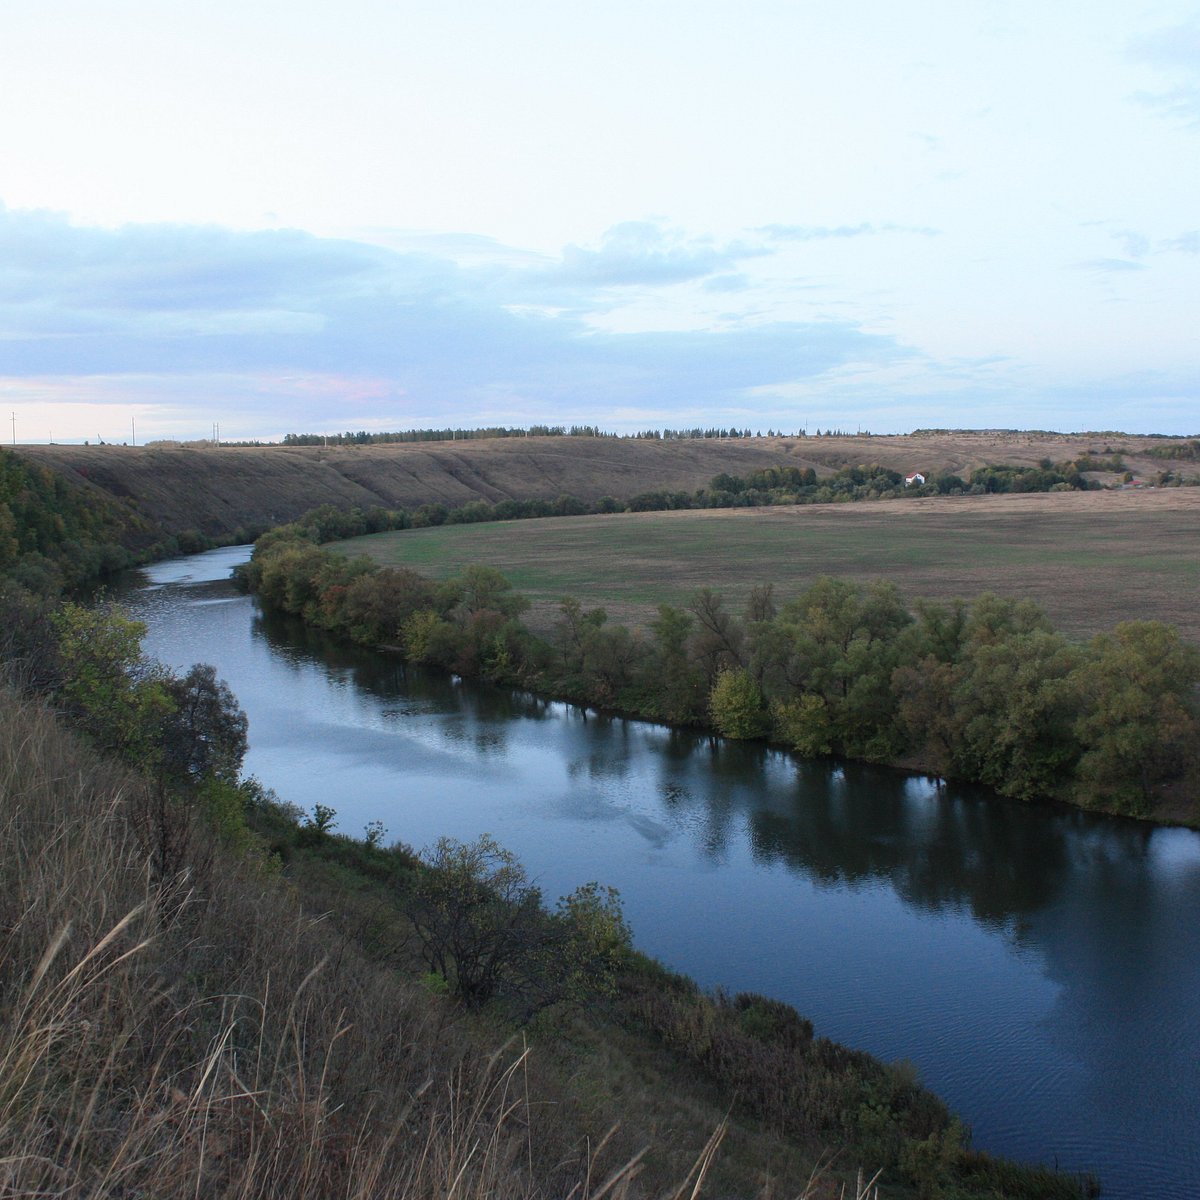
column 29, row 650
column 1015, row 707
column 595, row 941
column 736, row 705
column 674, row 689
column 760, row 605
column 717, row 642
column 377, row 605
column 485, row 589
column 572, row 631
column 1139, row 728
column 483, row 929
column 285, row 575
column 111, row 692
column 610, row 661
column 927, row 711
column 204, row 734
column 476, row 915
column 939, row 630
column 804, row 724
column 839, row 642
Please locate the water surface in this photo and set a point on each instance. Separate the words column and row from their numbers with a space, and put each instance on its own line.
column 1040, row 967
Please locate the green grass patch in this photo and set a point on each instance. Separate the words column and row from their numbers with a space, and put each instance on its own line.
column 1089, row 564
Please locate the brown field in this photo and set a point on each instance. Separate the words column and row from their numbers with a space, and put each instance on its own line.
column 1091, row 559
column 218, row 491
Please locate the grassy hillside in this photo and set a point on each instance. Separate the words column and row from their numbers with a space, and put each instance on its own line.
column 219, row 492
column 1090, row 559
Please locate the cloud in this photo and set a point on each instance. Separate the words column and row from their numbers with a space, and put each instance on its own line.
column 813, row 233
column 643, row 253
column 276, row 331
column 1175, row 48
column 1175, row 51
column 734, row 282
column 1135, row 245
column 160, row 268
column 1186, row 243
column 295, row 324
column 1109, row 265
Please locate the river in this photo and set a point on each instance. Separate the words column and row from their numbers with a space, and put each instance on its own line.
column 1040, row 967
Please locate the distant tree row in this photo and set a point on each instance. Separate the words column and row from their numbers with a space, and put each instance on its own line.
column 364, row 438
column 985, row 691
column 1188, row 451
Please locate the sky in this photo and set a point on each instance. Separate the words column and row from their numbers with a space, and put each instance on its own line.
column 880, row 215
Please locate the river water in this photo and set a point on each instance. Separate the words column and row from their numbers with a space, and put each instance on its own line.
column 1040, row 967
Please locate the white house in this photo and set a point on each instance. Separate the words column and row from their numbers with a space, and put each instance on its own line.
column 916, row 479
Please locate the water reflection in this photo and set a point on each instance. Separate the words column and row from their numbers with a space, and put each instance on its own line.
column 940, row 848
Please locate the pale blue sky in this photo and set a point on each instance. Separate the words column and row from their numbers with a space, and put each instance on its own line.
column 309, row 216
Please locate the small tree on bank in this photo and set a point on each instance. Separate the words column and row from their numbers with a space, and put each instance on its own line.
column 483, row 929
column 736, row 705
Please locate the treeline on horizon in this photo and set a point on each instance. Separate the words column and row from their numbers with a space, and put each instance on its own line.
column 363, row 438
column 984, row 691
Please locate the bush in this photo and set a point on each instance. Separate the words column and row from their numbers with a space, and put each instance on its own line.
column 483, row 929
column 736, row 705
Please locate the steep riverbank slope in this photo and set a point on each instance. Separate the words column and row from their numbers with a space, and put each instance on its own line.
column 219, row 492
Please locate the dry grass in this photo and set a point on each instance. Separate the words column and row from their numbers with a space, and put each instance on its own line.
column 1091, row 559
column 206, row 1047
column 219, row 491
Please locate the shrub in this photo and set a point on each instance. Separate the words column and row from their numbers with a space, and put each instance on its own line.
column 483, row 929
column 736, row 705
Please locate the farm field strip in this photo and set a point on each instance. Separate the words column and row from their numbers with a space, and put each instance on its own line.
column 1090, row 559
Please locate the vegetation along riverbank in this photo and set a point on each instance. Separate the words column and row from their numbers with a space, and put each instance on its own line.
column 985, row 690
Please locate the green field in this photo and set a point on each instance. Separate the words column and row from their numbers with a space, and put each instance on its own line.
column 1090, row 559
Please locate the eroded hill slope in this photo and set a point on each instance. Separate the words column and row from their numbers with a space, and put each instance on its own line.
column 219, row 491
